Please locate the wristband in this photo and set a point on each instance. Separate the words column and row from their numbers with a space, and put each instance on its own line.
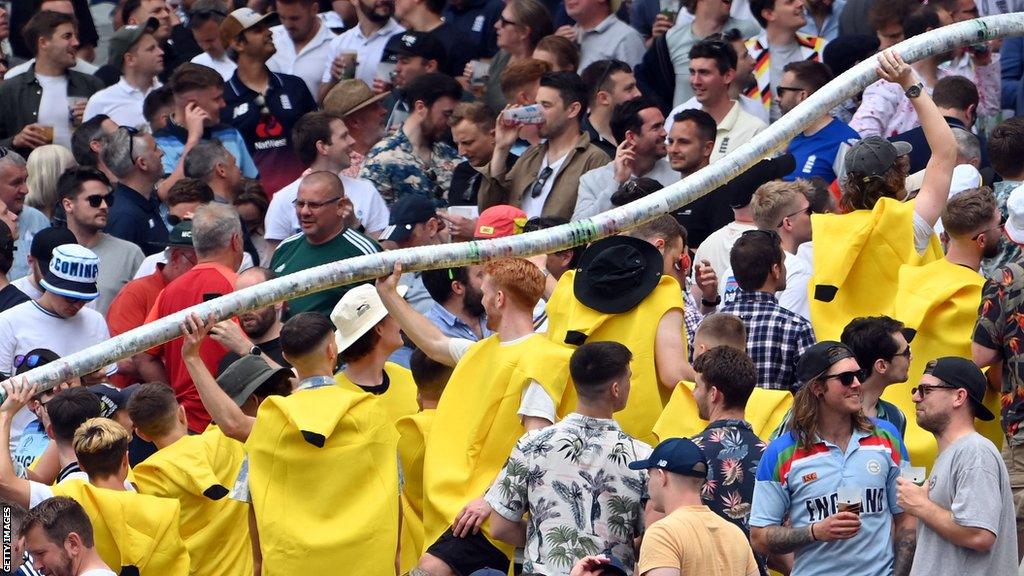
column 813, row 539
column 710, row 303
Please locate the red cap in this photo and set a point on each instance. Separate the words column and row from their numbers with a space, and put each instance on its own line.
column 500, row 221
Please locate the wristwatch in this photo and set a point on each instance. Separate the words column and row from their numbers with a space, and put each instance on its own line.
column 256, row 351
column 914, row 91
column 710, row 303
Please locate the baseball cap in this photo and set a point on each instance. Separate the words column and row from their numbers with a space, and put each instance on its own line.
column 873, row 156
column 244, row 376
column 406, row 213
column 126, row 37
column 1014, row 227
column 500, row 221
column 818, row 358
column 33, row 359
column 963, row 373
column 44, row 242
column 179, row 236
column 241, row 20
column 676, row 455
column 72, row 272
column 111, row 398
column 413, row 43
column 350, row 96
column 358, row 311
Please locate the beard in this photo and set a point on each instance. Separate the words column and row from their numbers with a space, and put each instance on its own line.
column 370, row 11
column 473, row 301
column 992, row 250
column 934, row 423
column 257, row 324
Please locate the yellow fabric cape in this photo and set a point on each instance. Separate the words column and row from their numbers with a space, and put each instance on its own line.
column 132, row 529
column 940, row 300
column 681, row 419
column 198, row 472
column 477, row 422
column 412, row 443
column 400, row 398
column 636, row 329
column 857, row 258
column 323, row 475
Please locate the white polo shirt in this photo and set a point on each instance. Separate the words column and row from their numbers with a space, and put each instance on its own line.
column 122, row 102
column 737, row 127
column 308, row 64
column 370, row 49
column 281, row 221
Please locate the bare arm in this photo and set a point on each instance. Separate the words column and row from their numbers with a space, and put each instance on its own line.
column 914, row 500
column 513, row 533
column 416, row 326
column 12, row 487
column 984, row 356
column 904, row 543
column 779, row 539
column 931, row 200
column 224, row 411
column 669, row 359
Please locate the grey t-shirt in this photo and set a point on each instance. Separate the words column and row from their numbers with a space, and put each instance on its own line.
column 969, row 478
column 780, row 55
column 119, row 259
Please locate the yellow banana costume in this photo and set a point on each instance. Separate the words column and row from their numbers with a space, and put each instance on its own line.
column 636, row 329
column 477, row 422
column 400, row 398
column 323, row 475
column 681, row 419
column 198, row 472
column 940, row 301
column 857, row 258
column 412, row 443
column 132, row 529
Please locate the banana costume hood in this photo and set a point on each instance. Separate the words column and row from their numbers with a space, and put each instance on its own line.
column 681, row 419
column 857, row 259
column 412, row 444
column 322, row 470
column 134, row 533
column 477, row 423
column 197, row 471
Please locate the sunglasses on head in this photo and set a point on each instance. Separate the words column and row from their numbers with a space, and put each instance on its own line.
column 27, row 360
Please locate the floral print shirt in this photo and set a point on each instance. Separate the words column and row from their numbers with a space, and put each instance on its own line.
column 396, row 170
column 1001, row 327
column 573, row 480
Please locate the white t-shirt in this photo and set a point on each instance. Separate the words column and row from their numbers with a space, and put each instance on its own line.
column 534, row 206
column 149, row 263
column 536, row 402
column 25, row 285
column 54, row 108
column 715, row 248
column 794, row 298
column 282, row 222
column 28, row 326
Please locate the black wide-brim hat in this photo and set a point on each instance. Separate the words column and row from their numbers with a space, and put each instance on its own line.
column 616, row 273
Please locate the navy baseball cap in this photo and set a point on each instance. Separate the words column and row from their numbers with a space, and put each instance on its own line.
column 676, row 455
column 407, row 212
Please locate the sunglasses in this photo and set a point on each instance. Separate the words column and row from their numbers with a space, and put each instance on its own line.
column 924, row 389
column 807, row 211
column 905, row 353
column 542, row 179
column 132, row 132
column 28, row 360
column 506, row 22
column 96, row 200
column 780, row 90
column 845, row 378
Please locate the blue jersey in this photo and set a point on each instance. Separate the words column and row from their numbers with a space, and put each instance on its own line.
column 802, row 483
column 821, row 154
column 171, row 139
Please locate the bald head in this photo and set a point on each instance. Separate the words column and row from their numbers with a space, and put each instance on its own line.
column 319, row 208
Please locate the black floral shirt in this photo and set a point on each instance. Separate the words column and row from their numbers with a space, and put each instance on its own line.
column 733, row 452
column 1001, row 327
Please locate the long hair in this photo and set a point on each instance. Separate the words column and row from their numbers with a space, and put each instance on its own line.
column 859, row 194
column 804, row 419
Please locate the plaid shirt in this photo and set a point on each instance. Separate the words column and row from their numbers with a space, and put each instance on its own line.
column 775, row 337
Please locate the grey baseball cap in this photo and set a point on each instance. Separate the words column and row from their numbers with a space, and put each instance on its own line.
column 126, row 37
column 874, row 156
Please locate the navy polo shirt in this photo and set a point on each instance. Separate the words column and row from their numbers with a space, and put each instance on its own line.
column 267, row 129
column 474, row 27
column 136, row 219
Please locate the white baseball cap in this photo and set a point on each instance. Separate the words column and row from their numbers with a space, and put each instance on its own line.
column 1015, row 222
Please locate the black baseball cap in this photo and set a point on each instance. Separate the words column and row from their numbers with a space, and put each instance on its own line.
column 46, row 240
column 676, row 455
column 407, row 212
column 873, row 156
column 962, row 373
column 245, row 375
column 111, row 398
column 413, row 43
column 818, row 358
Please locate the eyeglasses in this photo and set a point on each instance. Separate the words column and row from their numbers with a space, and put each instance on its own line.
column 845, row 378
column 506, row 22
column 96, row 200
column 542, row 179
column 924, row 389
column 780, row 90
column 1002, row 222
column 300, row 204
column 807, row 211
column 904, row 354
